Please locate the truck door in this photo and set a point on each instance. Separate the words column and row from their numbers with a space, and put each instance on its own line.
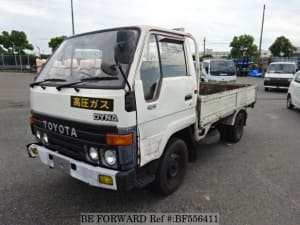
column 164, row 93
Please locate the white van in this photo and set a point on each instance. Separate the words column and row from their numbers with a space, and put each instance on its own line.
column 279, row 75
column 218, row 70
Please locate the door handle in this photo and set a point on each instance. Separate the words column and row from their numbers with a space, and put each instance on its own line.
column 151, row 107
column 188, row 97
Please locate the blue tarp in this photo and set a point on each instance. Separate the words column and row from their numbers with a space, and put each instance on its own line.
column 254, row 73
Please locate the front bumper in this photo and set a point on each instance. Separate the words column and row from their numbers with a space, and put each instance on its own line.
column 83, row 171
column 279, row 83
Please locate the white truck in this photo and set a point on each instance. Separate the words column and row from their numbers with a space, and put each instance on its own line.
column 123, row 108
column 218, row 70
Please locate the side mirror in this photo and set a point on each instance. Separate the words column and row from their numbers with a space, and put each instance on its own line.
column 206, row 69
column 109, row 69
column 125, row 46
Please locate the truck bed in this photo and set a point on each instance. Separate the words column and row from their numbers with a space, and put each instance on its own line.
column 217, row 101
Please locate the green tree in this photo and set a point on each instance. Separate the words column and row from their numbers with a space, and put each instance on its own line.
column 56, row 41
column 15, row 40
column 243, row 46
column 282, row 47
column 2, row 50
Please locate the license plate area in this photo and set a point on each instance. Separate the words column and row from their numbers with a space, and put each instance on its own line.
column 62, row 164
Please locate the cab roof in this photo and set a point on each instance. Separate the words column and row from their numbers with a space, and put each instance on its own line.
column 142, row 28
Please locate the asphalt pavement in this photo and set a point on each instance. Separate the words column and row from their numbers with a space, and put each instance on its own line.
column 253, row 182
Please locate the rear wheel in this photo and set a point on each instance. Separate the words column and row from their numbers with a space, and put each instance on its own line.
column 289, row 103
column 172, row 167
column 233, row 133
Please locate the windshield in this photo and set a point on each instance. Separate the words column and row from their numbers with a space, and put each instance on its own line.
column 81, row 57
column 281, row 68
column 222, row 68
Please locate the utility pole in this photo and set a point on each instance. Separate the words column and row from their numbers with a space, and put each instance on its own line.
column 262, row 28
column 73, row 30
column 204, row 46
column 39, row 52
column 15, row 55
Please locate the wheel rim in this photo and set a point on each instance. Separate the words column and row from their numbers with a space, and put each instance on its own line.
column 173, row 167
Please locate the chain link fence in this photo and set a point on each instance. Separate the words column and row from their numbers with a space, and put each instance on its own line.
column 17, row 62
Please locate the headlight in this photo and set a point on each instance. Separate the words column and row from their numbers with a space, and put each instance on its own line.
column 45, row 139
column 289, row 80
column 267, row 78
column 110, row 157
column 93, row 153
column 38, row 135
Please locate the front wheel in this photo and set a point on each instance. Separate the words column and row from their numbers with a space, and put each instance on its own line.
column 172, row 167
column 289, row 103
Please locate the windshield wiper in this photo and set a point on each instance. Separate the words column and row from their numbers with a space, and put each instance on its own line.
column 122, row 73
column 83, row 80
column 47, row 80
column 98, row 78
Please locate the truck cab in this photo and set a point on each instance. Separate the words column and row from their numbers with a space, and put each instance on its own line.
column 120, row 108
column 218, row 70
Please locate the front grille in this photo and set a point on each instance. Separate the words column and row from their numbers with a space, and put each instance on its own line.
column 278, row 82
column 66, row 144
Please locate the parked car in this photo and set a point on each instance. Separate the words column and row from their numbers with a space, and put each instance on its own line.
column 293, row 97
column 279, row 75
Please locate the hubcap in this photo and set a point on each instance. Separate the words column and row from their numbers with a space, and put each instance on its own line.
column 173, row 166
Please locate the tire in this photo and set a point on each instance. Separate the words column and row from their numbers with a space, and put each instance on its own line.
column 267, row 89
column 233, row 133
column 223, row 129
column 289, row 103
column 172, row 167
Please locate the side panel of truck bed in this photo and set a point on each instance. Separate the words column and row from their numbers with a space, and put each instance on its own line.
column 214, row 105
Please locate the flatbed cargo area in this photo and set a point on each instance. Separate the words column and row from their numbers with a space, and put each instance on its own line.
column 213, row 88
column 217, row 101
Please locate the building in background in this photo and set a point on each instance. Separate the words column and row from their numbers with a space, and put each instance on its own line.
column 215, row 54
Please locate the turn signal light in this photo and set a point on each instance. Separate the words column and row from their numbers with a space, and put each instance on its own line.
column 103, row 179
column 35, row 151
column 31, row 119
column 119, row 139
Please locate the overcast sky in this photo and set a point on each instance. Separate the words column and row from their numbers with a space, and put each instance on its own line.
column 217, row 20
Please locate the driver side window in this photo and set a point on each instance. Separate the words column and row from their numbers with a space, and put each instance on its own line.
column 150, row 69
